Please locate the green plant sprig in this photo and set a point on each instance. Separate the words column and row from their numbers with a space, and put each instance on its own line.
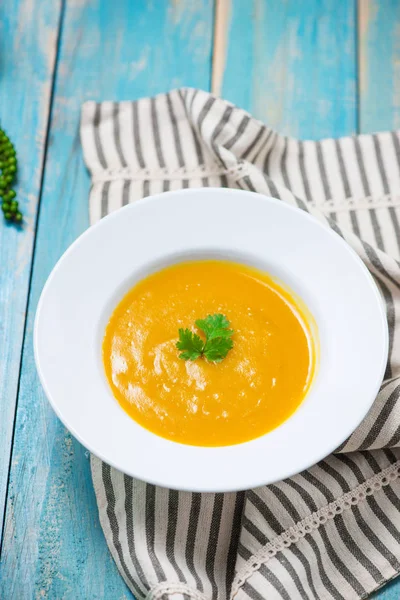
column 8, row 167
column 215, row 347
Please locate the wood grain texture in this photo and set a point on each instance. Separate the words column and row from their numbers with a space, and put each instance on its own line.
column 28, row 37
column 379, row 64
column 293, row 64
column 53, row 544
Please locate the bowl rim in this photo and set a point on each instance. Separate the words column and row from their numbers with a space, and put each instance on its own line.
column 319, row 454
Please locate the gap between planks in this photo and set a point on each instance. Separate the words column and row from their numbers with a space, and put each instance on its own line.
column 221, row 20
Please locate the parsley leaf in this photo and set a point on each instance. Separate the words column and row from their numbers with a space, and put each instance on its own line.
column 217, row 349
column 218, row 341
column 191, row 344
column 215, row 326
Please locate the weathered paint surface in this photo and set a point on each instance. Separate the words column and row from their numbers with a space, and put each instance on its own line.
column 292, row 64
column 379, row 65
column 28, row 39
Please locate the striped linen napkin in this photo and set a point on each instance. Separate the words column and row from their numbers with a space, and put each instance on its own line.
column 332, row 531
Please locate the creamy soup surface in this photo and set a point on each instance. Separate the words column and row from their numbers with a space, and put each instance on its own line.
column 255, row 388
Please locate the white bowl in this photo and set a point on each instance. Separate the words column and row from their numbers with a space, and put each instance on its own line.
column 100, row 267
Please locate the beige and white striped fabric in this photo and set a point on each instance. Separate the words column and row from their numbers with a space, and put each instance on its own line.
column 332, row 531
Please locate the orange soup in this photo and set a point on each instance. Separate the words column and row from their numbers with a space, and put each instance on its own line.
column 258, row 385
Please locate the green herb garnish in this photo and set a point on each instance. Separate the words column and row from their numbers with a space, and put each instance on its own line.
column 217, row 344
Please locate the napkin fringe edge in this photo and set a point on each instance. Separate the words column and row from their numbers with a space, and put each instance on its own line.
column 314, row 521
column 237, row 172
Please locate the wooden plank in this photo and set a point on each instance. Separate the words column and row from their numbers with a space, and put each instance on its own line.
column 293, row 64
column 379, row 99
column 53, row 544
column 379, row 59
column 28, row 40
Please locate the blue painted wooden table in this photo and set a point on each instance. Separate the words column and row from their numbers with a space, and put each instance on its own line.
column 310, row 69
